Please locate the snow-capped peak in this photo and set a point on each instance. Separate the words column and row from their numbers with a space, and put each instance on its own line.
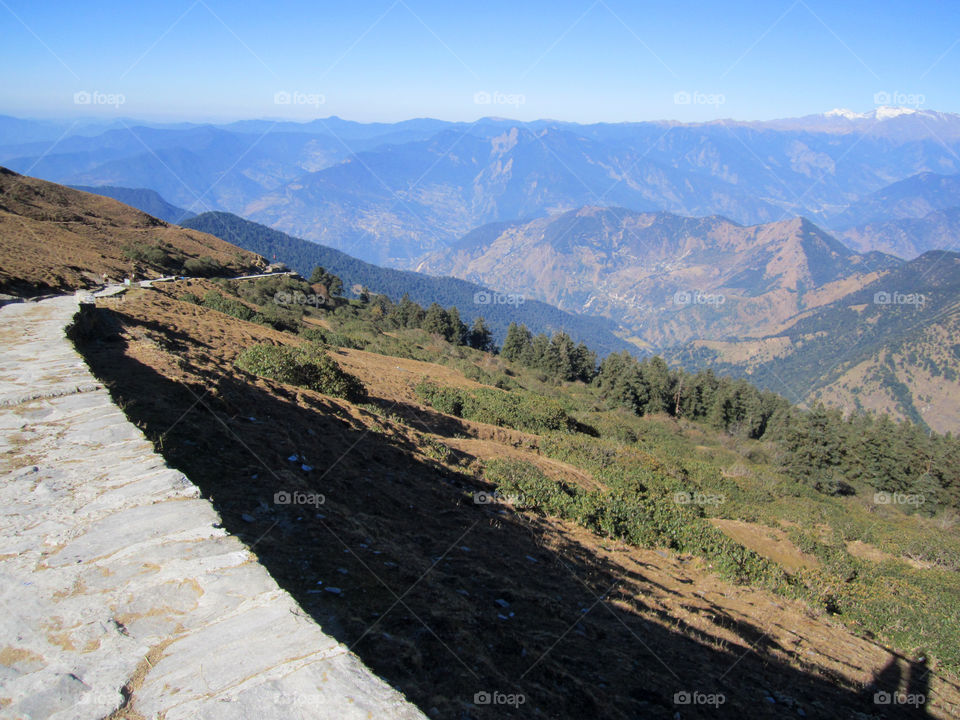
column 885, row 112
column 848, row 114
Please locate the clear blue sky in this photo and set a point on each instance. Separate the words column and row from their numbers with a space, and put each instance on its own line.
column 609, row 60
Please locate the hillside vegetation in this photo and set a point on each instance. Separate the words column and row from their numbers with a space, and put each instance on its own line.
column 473, row 300
column 897, row 353
column 478, row 507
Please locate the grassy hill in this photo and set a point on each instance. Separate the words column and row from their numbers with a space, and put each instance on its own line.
column 55, row 239
column 524, row 522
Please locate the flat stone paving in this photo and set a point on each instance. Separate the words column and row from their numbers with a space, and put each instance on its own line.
column 117, row 588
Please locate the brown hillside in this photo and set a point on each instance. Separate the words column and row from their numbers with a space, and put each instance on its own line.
column 56, row 239
column 443, row 597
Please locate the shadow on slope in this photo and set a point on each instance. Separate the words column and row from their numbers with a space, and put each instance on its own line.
column 443, row 598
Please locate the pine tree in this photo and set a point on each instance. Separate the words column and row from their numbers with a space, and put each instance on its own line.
column 436, row 321
column 456, row 331
column 330, row 281
column 480, row 336
column 560, row 357
column 584, row 363
column 517, row 342
column 656, row 375
column 407, row 313
column 537, row 354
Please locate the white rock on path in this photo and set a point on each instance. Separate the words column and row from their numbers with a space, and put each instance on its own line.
column 117, row 586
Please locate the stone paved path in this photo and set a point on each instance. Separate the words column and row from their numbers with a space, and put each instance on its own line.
column 117, row 588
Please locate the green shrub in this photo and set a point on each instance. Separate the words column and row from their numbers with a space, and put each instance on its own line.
column 520, row 410
column 305, row 366
column 642, row 517
column 330, row 337
column 228, row 306
column 203, row 267
column 279, row 317
column 152, row 255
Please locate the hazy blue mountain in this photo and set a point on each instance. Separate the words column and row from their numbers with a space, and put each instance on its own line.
column 909, row 237
column 397, row 202
column 914, row 197
column 392, row 192
column 149, row 201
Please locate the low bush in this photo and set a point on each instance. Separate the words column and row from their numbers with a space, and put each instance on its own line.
column 643, row 518
column 203, row 267
column 305, row 366
column 518, row 409
column 153, row 256
column 228, row 306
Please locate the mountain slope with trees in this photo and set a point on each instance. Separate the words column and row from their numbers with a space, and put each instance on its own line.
column 889, row 346
column 667, row 278
column 471, row 299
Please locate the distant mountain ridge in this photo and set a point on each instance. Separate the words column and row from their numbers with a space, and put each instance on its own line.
column 650, row 271
column 889, row 346
column 149, row 201
column 909, row 237
column 913, row 197
column 391, row 193
column 472, row 300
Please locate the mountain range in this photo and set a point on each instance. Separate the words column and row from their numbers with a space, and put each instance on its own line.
column 392, row 193
column 724, row 244
column 471, row 299
column 667, row 279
